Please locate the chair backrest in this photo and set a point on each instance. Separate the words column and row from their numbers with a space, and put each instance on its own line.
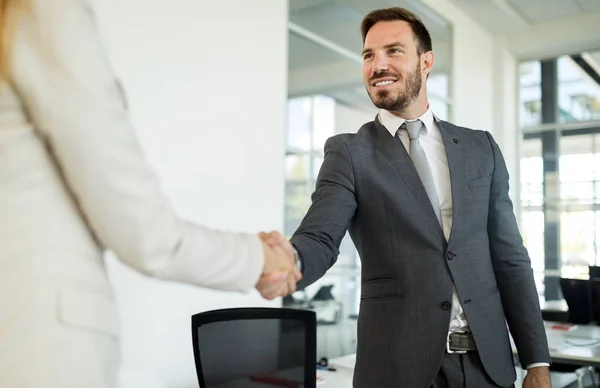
column 595, row 284
column 594, row 272
column 234, row 347
column 324, row 293
column 577, row 294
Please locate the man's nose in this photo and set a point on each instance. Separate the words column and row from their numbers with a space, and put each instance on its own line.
column 380, row 63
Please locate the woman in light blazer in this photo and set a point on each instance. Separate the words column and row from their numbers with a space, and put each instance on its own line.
column 74, row 182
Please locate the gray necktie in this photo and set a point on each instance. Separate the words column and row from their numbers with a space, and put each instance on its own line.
column 420, row 161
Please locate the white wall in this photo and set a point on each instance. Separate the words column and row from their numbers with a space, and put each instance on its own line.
column 207, row 88
column 567, row 35
column 506, row 115
column 472, row 68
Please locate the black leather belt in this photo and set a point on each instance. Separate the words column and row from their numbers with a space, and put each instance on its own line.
column 460, row 342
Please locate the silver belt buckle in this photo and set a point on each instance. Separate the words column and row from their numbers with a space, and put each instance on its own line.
column 450, row 351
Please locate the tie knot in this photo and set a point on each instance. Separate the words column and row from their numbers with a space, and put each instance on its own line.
column 413, row 128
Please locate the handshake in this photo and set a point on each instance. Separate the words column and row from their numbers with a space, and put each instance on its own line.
column 280, row 271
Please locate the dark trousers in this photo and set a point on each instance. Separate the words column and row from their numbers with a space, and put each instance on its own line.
column 462, row 371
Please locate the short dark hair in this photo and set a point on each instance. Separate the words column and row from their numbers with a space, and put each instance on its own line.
column 422, row 37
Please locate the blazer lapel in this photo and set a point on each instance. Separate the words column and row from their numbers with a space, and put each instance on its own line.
column 392, row 149
column 456, row 165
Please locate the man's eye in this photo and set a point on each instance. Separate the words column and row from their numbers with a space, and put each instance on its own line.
column 367, row 56
column 395, row 51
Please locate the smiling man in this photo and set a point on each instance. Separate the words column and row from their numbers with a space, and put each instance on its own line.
column 426, row 202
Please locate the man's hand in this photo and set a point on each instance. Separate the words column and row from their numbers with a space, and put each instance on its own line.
column 280, row 272
column 537, row 377
column 276, row 239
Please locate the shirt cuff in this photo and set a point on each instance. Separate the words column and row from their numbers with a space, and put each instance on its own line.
column 536, row 364
column 298, row 260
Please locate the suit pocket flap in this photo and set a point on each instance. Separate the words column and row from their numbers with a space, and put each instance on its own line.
column 86, row 309
column 384, row 288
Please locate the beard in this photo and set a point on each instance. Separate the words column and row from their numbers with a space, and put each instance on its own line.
column 397, row 100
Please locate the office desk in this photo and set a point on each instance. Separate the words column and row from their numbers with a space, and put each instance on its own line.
column 580, row 346
column 345, row 365
column 554, row 305
column 341, row 378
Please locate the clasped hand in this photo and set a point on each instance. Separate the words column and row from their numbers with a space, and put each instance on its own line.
column 280, row 272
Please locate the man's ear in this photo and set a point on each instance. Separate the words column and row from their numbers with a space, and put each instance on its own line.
column 427, row 62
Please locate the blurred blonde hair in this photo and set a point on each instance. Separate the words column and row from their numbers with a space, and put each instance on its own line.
column 9, row 10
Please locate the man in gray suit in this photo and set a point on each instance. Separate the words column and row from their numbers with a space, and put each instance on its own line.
column 426, row 203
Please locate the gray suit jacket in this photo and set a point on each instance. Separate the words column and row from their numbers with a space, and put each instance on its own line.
column 368, row 184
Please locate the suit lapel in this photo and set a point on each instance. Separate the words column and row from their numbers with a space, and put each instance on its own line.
column 456, row 165
column 393, row 150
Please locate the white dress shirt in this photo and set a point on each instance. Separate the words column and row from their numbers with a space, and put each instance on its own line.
column 433, row 146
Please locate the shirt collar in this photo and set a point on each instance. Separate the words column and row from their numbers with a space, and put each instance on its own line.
column 392, row 122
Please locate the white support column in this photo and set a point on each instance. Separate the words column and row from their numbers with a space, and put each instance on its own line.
column 505, row 109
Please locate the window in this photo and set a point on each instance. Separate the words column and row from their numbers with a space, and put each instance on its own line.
column 560, row 163
column 578, row 94
column 311, row 121
column 532, row 215
column 437, row 91
column 578, row 204
column 579, row 200
column 530, row 104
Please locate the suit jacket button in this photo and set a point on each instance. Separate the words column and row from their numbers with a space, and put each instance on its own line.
column 446, row 306
column 450, row 255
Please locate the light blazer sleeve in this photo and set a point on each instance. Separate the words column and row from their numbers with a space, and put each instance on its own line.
column 68, row 90
column 512, row 267
column 320, row 234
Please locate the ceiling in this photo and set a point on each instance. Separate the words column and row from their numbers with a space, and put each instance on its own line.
column 593, row 58
column 509, row 16
column 336, row 23
column 520, row 17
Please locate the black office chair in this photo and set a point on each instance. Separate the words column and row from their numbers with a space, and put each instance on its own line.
column 595, row 294
column 239, row 346
column 577, row 294
column 594, row 272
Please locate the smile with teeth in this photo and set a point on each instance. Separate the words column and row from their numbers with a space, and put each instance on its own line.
column 384, row 83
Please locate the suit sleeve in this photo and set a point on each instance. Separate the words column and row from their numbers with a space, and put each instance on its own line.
column 319, row 236
column 512, row 267
column 67, row 87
